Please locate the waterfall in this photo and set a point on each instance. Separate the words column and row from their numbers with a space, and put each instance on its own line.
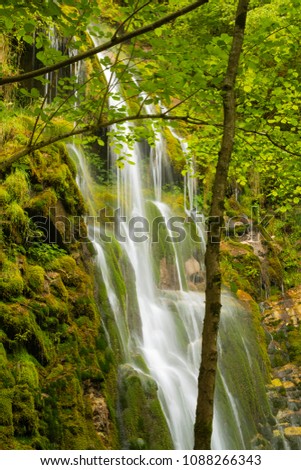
column 171, row 320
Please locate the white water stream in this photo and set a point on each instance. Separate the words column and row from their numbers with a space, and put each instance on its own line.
column 171, row 320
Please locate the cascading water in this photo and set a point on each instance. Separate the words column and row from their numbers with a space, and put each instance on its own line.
column 171, row 320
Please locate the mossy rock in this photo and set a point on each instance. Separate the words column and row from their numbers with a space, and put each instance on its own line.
column 57, row 308
column 174, row 151
column 294, row 345
column 6, row 437
column 25, row 417
column 20, row 326
column 27, row 372
column 84, row 306
column 6, row 377
column 35, row 278
column 50, row 337
column 69, row 271
column 6, row 414
column 41, row 203
column 275, row 270
column 57, row 287
column 17, row 187
column 4, row 196
column 16, row 223
column 241, row 269
column 141, row 413
column 11, row 282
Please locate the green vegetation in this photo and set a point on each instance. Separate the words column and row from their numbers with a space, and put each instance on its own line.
column 55, row 359
column 53, row 348
column 142, row 419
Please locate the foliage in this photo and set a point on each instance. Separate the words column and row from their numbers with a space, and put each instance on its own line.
column 49, row 323
column 179, row 67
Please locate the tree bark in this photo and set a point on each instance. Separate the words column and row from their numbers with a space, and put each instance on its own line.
column 207, row 374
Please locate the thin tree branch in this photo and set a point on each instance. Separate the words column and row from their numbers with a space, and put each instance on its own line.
column 282, row 147
column 129, row 18
column 267, row 136
column 136, row 117
column 92, row 128
column 183, row 100
column 105, row 46
column 37, row 120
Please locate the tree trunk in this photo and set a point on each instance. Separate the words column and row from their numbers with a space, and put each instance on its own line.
column 207, row 374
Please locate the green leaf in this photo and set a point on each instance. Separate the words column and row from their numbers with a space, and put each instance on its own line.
column 27, row 38
column 247, row 88
column 8, row 23
column 35, row 93
column 29, row 27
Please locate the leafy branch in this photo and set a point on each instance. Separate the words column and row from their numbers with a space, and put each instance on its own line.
column 94, row 128
column 105, row 46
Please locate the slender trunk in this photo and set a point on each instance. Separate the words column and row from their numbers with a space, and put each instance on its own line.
column 207, row 374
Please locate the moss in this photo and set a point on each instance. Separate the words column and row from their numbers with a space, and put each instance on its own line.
column 160, row 249
column 17, row 221
column 84, row 305
column 275, row 270
column 20, row 326
column 57, row 308
column 245, row 365
column 51, row 342
column 141, row 413
column 25, row 417
column 131, row 313
column 68, row 269
column 57, row 287
column 17, row 187
column 42, row 203
column 11, row 282
column 56, row 177
column 69, row 427
column 6, row 378
column 35, row 278
column 4, row 196
column 69, row 162
column 240, row 268
column 6, row 415
column 232, row 207
column 27, row 372
column 294, row 345
column 174, row 151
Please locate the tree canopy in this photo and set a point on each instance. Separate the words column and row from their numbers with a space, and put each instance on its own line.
column 179, row 64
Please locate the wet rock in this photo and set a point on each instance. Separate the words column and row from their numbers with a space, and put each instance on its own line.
column 168, row 276
column 100, row 412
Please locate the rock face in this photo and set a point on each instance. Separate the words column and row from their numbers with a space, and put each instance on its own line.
column 52, row 343
column 282, row 320
column 169, row 280
column 168, row 276
column 100, row 412
column 194, row 274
